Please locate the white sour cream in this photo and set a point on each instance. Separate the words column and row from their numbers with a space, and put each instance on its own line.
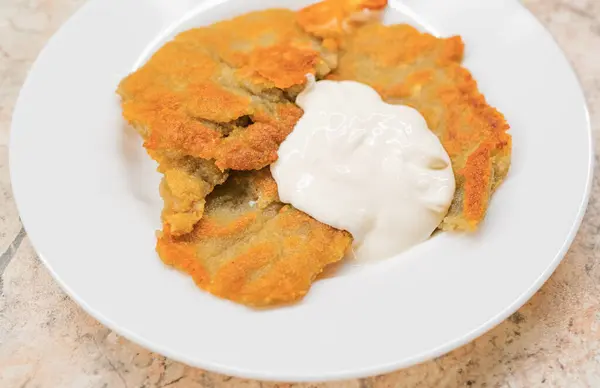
column 359, row 164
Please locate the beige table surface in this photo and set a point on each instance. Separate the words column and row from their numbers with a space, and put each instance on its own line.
column 46, row 340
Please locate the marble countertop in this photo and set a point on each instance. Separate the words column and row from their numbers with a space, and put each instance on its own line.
column 46, row 340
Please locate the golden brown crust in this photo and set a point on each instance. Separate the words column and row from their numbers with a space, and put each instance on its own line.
column 284, row 65
column 331, row 19
column 186, row 97
column 424, row 72
column 258, row 142
column 252, row 249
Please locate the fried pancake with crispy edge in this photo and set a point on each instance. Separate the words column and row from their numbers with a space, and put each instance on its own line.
column 252, row 249
column 222, row 96
column 422, row 71
column 189, row 96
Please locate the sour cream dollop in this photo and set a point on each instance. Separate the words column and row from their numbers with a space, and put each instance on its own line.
column 359, row 164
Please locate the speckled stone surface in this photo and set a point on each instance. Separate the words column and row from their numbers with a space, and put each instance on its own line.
column 46, row 340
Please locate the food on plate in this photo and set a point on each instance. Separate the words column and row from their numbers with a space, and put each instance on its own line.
column 186, row 183
column 214, row 104
column 359, row 164
column 424, row 72
column 224, row 93
column 251, row 248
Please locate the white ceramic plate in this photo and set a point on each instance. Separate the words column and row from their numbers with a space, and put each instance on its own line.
column 88, row 197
